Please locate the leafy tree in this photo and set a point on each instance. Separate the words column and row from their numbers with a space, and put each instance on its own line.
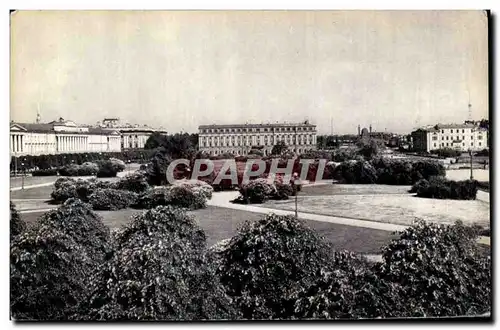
column 279, row 149
column 160, row 270
column 155, row 140
column 17, row 226
column 267, row 262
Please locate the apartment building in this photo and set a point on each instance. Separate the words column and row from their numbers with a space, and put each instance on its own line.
column 239, row 139
column 463, row 137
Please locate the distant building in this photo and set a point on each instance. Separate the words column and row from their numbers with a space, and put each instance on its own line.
column 239, row 139
column 461, row 137
column 132, row 136
column 61, row 136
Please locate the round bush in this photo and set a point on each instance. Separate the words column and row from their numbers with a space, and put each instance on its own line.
column 440, row 270
column 112, row 199
column 45, row 172
column 135, row 182
column 160, row 271
column 17, row 226
column 258, row 190
column 267, row 263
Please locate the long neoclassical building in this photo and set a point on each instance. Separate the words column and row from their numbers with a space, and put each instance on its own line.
column 64, row 136
column 239, row 139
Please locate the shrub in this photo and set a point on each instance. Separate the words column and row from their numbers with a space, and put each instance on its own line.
column 86, row 169
column 283, row 190
column 107, row 169
column 135, row 182
column 49, row 275
column 446, row 152
column 352, row 172
column 112, row 199
column 439, row 270
column 484, row 152
column 267, row 262
column 157, row 168
column 258, row 190
column 65, row 188
column 441, row 188
column 160, row 271
column 17, row 226
column 45, row 172
column 151, row 198
column 77, row 220
column 52, row 262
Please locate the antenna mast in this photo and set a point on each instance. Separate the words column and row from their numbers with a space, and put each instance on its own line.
column 469, row 105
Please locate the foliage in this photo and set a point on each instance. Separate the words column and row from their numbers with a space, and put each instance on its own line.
column 258, row 190
column 109, row 168
column 86, row 169
column 446, row 152
column 283, row 190
column 175, row 146
column 77, row 220
column 190, row 194
column 267, row 262
column 53, row 261
column 439, row 270
column 317, row 154
column 441, row 188
column 279, row 148
column 256, row 152
column 45, row 172
column 135, row 182
column 157, row 168
column 65, row 188
column 49, row 275
column 160, row 271
column 355, row 172
column 112, row 199
column 484, row 152
column 17, row 226
column 369, row 150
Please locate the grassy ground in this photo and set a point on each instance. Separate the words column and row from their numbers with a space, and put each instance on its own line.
column 33, row 193
column 382, row 204
column 464, row 174
column 220, row 223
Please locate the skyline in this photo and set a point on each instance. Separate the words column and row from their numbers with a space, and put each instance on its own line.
column 393, row 70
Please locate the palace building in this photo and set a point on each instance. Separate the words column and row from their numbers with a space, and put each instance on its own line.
column 463, row 137
column 239, row 139
column 64, row 136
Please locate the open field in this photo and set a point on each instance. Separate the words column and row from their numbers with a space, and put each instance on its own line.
column 367, row 202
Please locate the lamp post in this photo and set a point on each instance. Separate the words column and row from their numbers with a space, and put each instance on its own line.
column 470, row 154
column 22, row 176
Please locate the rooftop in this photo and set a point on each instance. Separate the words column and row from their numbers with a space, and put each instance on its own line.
column 257, row 125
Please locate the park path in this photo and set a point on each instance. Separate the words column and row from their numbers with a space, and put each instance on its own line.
column 45, row 184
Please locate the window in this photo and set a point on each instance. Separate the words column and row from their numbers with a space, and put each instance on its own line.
column 442, row 144
column 479, row 137
column 463, row 131
column 463, row 144
column 472, row 144
column 447, row 139
column 451, row 131
column 434, row 138
column 446, row 143
column 479, row 143
column 463, row 137
column 434, row 144
column 442, row 131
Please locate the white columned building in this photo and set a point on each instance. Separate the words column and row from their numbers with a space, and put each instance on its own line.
column 239, row 139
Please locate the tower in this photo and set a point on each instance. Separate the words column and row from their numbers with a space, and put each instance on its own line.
column 370, row 128
column 38, row 117
column 359, row 130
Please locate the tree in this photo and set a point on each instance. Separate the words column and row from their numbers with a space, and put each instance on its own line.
column 280, row 148
column 155, row 140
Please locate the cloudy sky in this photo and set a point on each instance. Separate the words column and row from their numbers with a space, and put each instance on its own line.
column 395, row 70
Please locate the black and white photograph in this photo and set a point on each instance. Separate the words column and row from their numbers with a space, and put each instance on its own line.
column 244, row 165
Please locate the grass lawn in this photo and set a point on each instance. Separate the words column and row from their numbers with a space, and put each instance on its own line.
column 383, row 203
column 33, row 193
column 353, row 189
column 464, row 174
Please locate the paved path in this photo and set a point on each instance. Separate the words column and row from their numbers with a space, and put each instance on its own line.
column 45, row 184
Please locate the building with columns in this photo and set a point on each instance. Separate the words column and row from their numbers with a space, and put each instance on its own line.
column 239, row 139
column 132, row 136
column 462, row 137
column 59, row 137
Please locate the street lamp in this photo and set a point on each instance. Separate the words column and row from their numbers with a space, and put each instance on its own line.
column 22, row 176
column 470, row 154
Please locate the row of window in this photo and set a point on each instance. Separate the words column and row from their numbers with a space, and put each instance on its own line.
column 450, row 144
column 210, row 141
column 246, row 130
column 434, row 138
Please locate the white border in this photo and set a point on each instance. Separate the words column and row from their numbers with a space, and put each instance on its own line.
column 190, row 5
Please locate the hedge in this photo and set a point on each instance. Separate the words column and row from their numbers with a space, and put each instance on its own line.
column 387, row 171
column 441, row 188
column 61, row 160
column 112, row 199
column 45, row 172
column 17, row 226
column 66, row 188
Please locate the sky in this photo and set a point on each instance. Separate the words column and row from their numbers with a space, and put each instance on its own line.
column 395, row 70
